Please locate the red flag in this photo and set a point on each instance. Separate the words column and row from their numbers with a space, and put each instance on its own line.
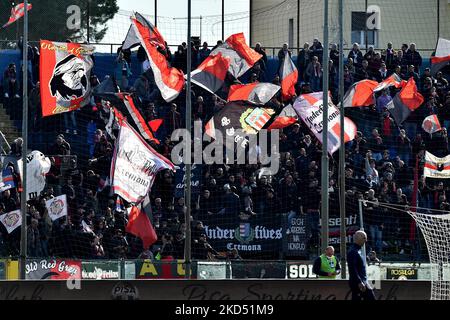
column 210, row 75
column 17, row 12
column 431, row 124
column 242, row 57
column 360, row 94
column 258, row 93
column 155, row 124
column 139, row 225
column 288, row 78
column 170, row 81
column 393, row 81
column 404, row 102
column 65, row 70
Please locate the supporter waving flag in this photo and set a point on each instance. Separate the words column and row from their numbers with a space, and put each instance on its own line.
column 7, row 180
column 257, row 93
column 360, row 94
column 442, row 57
column 65, row 70
column 170, row 81
column 140, row 225
column 17, row 12
column 436, row 167
column 241, row 56
column 210, row 75
column 405, row 102
column 288, row 78
column 135, row 165
column 309, row 107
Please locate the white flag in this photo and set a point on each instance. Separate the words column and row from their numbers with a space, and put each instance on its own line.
column 135, row 165
column 57, row 207
column 38, row 165
column 11, row 220
column 436, row 167
column 86, row 228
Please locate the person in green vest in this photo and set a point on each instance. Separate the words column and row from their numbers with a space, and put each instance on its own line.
column 327, row 265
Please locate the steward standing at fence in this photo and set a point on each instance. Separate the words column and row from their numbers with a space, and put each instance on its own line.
column 327, row 265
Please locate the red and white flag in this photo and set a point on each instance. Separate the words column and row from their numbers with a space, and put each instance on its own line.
column 393, row 81
column 17, row 12
column 11, row 220
column 309, row 107
column 210, row 75
column 170, row 81
column 258, row 93
column 65, row 70
column 287, row 117
column 442, row 56
column 288, row 78
column 431, row 124
column 405, row 102
column 241, row 56
column 436, row 167
column 360, row 94
column 135, row 165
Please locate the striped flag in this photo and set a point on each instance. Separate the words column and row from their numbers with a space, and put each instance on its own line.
column 431, row 124
column 119, row 204
column 170, row 81
column 436, row 167
column 309, row 107
column 241, row 56
column 287, row 117
column 7, row 180
column 258, row 93
column 210, row 75
column 288, row 78
column 442, row 56
column 17, row 12
column 393, row 81
column 360, row 94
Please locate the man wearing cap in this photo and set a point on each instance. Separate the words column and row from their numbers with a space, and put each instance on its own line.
column 327, row 266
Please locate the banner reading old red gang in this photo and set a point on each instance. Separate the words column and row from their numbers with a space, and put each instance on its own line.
column 65, row 70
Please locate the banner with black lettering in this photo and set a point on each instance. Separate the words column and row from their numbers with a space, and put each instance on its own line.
column 401, row 273
column 163, row 269
column 38, row 165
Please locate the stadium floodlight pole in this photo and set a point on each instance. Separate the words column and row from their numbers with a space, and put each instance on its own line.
column 23, row 196
column 188, row 157
column 343, row 228
column 366, row 30
column 324, row 180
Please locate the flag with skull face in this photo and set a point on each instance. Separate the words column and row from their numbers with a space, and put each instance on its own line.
column 65, row 70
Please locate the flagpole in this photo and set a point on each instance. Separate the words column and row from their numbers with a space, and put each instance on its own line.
column 23, row 196
column 188, row 157
column 324, row 178
column 343, row 229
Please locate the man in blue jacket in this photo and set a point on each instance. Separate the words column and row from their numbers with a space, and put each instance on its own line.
column 359, row 285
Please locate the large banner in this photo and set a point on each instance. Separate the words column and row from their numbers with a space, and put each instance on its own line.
column 65, row 70
column 100, row 270
column 180, row 180
column 53, row 269
column 334, row 232
column 258, row 237
column 57, row 207
column 309, row 107
column 170, row 269
column 135, row 165
column 436, row 167
column 297, row 235
column 38, row 165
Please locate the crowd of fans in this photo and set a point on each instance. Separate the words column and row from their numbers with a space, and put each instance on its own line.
column 379, row 162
